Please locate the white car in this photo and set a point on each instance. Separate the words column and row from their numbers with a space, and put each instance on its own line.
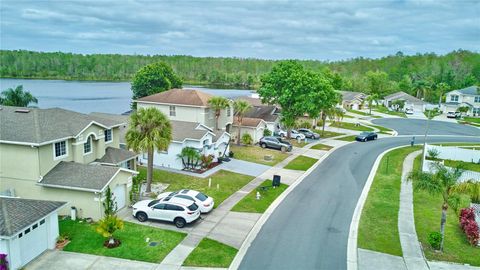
column 176, row 210
column 294, row 134
column 453, row 114
column 409, row 111
column 204, row 202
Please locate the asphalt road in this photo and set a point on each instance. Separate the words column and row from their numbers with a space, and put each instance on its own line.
column 309, row 229
column 417, row 126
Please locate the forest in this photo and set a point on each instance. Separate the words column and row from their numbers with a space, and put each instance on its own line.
column 419, row 74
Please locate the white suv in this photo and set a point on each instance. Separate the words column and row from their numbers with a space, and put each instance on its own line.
column 204, row 202
column 293, row 134
column 176, row 210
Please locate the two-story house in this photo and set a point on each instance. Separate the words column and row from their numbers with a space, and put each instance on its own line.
column 193, row 125
column 466, row 97
column 56, row 154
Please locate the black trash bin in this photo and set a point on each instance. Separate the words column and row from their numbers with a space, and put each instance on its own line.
column 276, row 181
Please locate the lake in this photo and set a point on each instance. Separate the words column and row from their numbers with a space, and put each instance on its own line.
column 92, row 96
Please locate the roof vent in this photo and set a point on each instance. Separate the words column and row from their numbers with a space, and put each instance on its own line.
column 22, row 110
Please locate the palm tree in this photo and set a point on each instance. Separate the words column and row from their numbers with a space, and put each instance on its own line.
column 149, row 129
column 240, row 107
column 370, row 99
column 218, row 104
column 17, row 97
column 191, row 155
column 327, row 112
column 444, row 181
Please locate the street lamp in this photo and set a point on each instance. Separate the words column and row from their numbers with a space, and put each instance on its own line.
column 425, row 138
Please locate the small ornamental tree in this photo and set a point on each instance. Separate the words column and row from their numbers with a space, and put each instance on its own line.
column 110, row 223
column 109, row 204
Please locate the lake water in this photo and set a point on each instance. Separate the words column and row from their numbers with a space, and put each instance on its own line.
column 88, row 96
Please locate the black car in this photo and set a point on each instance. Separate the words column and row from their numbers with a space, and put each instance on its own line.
column 308, row 133
column 275, row 142
column 366, row 136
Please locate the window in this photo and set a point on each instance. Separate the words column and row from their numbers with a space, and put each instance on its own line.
column 477, row 99
column 108, row 135
column 35, row 226
column 454, row 98
column 185, row 197
column 160, row 206
column 60, row 149
column 202, row 197
column 87, row 146
column 42, row 221
column 172, row 111
column 193, row 207
column 173, row 207
column 27, row 231
column 20, row 235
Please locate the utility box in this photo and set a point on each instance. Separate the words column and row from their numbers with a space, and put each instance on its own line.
column 276, row 181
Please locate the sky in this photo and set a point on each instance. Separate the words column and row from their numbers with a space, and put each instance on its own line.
column 317, row 30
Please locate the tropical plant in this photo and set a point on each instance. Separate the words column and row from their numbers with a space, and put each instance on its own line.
column 109, row 203
column 303, row 124
column 469, row 225
column 339, row 114
column 190, row 158
column 154, row 78
column 149, row 129
column 435, row 240
column 218, row 104
column 206, row 161
column 17, row 97
column 433, row 153
column 3, row 261
column 370, row 99
column 267, row 132
column 240, row 107
column 398, row 104
column 107, row 227
column 327, row 112
column 462, row 110
column 444, row 181
column 247, row 139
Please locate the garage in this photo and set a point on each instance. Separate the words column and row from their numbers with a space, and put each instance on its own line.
column 25, row 237
column 120, row 193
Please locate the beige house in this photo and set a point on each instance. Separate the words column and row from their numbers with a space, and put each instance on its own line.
column 353, row 100
column 466, row 97
column 411, row 102
column 56, row 154
column 252, row 126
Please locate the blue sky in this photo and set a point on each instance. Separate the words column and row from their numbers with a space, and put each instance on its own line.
column 321, row 30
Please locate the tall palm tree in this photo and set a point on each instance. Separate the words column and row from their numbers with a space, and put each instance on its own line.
column 370, row 99
column 240, row 107
column 17, row 97
column 327, row 112
column 444, row 181
column 149, row 129
column 218, row 104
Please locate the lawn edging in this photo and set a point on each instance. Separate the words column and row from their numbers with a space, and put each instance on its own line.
column 352, row 254
column 259, row 224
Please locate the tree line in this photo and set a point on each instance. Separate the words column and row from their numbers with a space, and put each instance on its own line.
column 426, row 76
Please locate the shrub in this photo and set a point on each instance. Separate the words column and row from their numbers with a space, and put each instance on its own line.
column 247, row 139
column 267, row 132
column 3, row 261
column 469, row 225
column 303, row 124
column 433, row 153
column 435, row 239
column 107, row 226
column 206, row 161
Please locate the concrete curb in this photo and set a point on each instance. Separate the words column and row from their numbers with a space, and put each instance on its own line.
column 352, row 255
column 256, row 229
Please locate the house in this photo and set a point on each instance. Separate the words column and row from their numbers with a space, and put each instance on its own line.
column 352, row 100
column 270, row 114
column 466, row 97
column 56, row 154
column 411, row 102
column 253, row 126
column 27, row 228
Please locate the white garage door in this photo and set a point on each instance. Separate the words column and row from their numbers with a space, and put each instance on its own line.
column 120, row 193
column 33, row 242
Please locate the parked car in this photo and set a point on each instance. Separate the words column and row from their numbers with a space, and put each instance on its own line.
column 366, row 136
column 177, row 210
column 409, row 111
column 294, row 134
column 308, row 133
column 275, row 142
column 204, row 202
column 453, row 114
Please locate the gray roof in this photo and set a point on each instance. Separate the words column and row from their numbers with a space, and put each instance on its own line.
column 182, row 130
column 72, row 175
column 403, row 96
column 124, row 118
column 17, row 214
column 472, row 90
column 36, row 126
column 116, row 155
column 266, row 113
column 350, row 96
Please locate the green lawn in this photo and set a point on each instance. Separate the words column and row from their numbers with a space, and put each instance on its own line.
column 358, row 112
column 466, row 165
column 250, row 203
column 298, row 144
column 381, row 128
column 427, row 210
column 229, row 182
column 211, row 253
column 301, row 163
column 256, row 154
column 472, row 144
column 84, row 239
column 350, row 126
column 382, row 109
column 433, row 113
column 350, row 138
column 472, row 119
column 321, row 147
column 378, row 229
column 328, row 134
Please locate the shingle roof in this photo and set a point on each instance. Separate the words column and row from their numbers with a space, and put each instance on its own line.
column 403, row 96
column 252, row 101
column 125, row 118
column 182, row 130
column 263, row 112
column 471, row 90
column 248, row 122
column 350, row 96
column 190, row 97
column 116, row 155
column 73, row 175
column 16, row 214
column 37, row 126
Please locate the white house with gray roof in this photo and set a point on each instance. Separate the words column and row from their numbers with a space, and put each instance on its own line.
column 63, row 155
column 466, row 97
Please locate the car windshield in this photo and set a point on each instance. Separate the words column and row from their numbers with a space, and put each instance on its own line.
column 193, row 207
column 153, row 203
column 202, row 197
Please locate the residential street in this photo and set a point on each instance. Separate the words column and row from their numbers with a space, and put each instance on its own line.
column 309, row 229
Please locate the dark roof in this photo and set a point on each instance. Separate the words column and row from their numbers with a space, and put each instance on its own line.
column 116, row 155
column 182, row 130
column 179, row 96
column 73, row 175
column 471, row 90
column 403, row 96
column 125, row 118
column 17, row 214
column 36, row 126
column 350, row 96
column 248, row 122
column 267, row 113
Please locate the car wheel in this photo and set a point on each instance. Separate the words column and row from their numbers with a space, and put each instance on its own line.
column 263, row 145
column 141, row 216
column 283, row 149
column 365, row 139
column 376, row 137
column 179, row 222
